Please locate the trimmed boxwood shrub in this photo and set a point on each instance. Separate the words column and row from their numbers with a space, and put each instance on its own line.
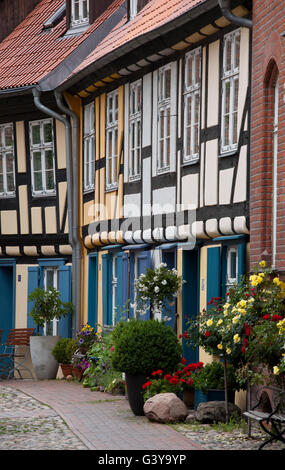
column 140, row 347
column 64, row 350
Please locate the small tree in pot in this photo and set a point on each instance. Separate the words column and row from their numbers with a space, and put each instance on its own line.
column 47, row 307
column 140, row 347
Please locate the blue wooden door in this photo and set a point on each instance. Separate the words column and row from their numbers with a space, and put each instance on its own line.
column 92, row 291
column 6, row 305
column 213, row 272
column 190, row 298
column 64, row 287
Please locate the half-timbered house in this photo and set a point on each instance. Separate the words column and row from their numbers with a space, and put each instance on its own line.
column 164, row 150
column 38, row 227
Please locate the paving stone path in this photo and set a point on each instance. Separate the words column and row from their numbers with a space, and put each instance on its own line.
column 33, row 417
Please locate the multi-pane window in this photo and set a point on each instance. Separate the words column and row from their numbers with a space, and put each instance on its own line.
column 112, row 140
column 89, row 147
column 230, row 87
column 232, row 266
column 79, row 12
column 7, row 161
column 136, row 6
column 164, row 117
column 192, row 105
column 42, row 157
column 51, row 280
column 135, row 130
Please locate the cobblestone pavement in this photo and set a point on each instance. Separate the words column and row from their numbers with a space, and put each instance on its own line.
column 29, row 424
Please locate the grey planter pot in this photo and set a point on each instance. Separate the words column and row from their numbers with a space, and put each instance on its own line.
column 44, row 364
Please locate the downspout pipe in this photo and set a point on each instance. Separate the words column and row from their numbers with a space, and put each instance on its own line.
column 225, row 6
column 69, row 175
column 76, row 263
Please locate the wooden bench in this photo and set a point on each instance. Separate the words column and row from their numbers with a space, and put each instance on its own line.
column 273, row 422
column 15, row 352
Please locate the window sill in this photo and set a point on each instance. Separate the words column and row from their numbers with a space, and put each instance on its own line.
column 111, row 188
column 89, row 190
column 162, row 171
column 7, row 196
column 75, row 30
column 39, row 195
column 190, row 162
column 229, row 153
column 133, row 179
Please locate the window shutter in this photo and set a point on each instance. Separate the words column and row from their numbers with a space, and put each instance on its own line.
column 64, row 277
column 107, row 289
column 33, row 283
column 168, row 257
column 241, row 260
column 122, row 286
column 213, row 273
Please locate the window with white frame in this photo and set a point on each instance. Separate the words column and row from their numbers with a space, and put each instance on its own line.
column 164, row 117
column 112, row 140
column 7, row 160
column 42, row 157
column 136, row 6
column 192, row 105
column 135, row 130
column 51, row 280
column 232, row 266
column 89, row 147
column 79, row 12
column 230, row 87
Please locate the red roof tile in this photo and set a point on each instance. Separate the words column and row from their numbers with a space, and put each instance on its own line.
column 154, row 15
column 28, row 54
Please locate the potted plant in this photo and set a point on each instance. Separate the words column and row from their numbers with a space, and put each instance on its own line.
column 63, row 352
column 139, row 348
column 209, row 380
column 47, row 306
column 156, row 290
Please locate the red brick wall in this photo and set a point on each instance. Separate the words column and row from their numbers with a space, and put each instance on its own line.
column 268, row 55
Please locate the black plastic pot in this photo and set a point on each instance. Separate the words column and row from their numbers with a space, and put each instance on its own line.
column 135, row 393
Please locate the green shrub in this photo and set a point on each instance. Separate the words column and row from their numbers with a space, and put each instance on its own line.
column 140, row 347
column 211, row 376
column 64, row 350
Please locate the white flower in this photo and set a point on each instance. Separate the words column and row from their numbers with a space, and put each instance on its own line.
column 164, row 282
column 156, row 289
column 162, row 265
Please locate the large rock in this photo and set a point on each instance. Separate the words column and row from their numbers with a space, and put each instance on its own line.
column 215, row 411
column 165, row 408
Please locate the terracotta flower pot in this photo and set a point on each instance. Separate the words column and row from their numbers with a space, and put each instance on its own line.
column 77, row 373
column 66, row 369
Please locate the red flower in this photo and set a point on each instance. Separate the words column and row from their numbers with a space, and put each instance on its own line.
column 168, row 377
column 147, row 384
column 183, row 360
column 265, row 317
column 190, row 382
column 180, row 336
column 157, row 372
column 243, row 349
column 207, row 334
column 245, row 342
column 185, row 334
column 276, row 317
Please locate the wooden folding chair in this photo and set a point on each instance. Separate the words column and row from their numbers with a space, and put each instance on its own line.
column 15, row 352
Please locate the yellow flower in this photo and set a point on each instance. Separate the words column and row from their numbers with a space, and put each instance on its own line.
column 226, row 313
column 236, row 319
column 228, row 350
column 261, row 274
column 236, row 338
column 276, row 370
column 276, row 281
column 251, row 300
column 219, row 322
column 226, row 306
column 241, row 303
column 220, row 346
column 209, row 322
column 262, row 264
